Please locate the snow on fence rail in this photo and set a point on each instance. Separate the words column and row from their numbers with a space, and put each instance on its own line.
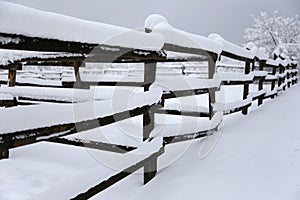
column 168, row 67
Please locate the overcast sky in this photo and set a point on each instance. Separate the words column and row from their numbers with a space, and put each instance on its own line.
column 228, row 18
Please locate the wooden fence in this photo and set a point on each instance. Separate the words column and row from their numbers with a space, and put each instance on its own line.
column 278, row 76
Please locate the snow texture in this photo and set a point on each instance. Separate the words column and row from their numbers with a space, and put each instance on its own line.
column 6, row 97
column 8, row 56
column 271, row 77
column 93, row 177
column 63, row 94
column 36, row 23
column 187, row 83
column 227, row 76
column 159, row 24
column 232, row 48
column 260, row 52
column 45, row 115
column 184, row 107
column 273, row 62
column 259, row 73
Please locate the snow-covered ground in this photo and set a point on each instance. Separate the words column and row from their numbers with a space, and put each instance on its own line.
column 257, row 157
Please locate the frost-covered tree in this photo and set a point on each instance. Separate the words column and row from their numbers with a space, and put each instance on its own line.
column 278, row 34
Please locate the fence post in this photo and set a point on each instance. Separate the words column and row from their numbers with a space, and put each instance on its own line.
column 292, row 73
column 296, row 74
column 78, row 83
column 288, row 76
column 246, row 86
column 211, row 91
column 253, row 65
column 4, row 152
column 150, row 168
column 273, row 81
column 5, row 143
column 284, row 78
column 280, row 79
column 262, row 64
column 12, row 73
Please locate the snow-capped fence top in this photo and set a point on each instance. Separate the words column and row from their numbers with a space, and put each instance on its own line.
column 232, row 48
column 294, row 62
column 158, row 24
column 273, row 62
column 260, row 52
column 20, row 20
column 213, row 43
column 55, row 117
column 8, row 56
column 285, row 62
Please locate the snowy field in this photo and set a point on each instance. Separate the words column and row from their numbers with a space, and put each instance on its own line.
column 257, row 157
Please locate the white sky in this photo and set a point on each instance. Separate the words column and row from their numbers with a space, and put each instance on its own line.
column 228, row 18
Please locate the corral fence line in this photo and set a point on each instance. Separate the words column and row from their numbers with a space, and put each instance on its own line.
column 271, row 76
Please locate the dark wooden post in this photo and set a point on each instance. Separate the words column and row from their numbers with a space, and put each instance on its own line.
column 4, row 152
column 253, row 65
column 4, row 147
column 77, row 74
column 148, row 118
column 296, row 74
column 284, row 78
column 149, row 75
column 78, row 83
column 12, row 77
column 262, row 64
column 293, row 74
column 246, row 86
column 150, row 168
column 183, row 70
column 12, row 73
column 288, row 76
column 280, row 79
column 212, row 91
column 273, row 81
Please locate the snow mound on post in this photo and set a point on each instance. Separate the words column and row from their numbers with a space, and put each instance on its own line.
column 284, row 62
column 231, row 48
column 294, row 62
column 260, row 52
column 159, row 24
column 273, row 62
column 21, row 20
